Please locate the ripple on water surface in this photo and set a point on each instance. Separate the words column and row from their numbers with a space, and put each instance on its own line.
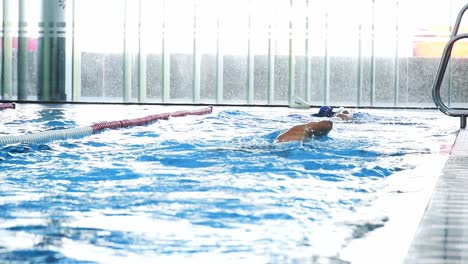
column 211, row 187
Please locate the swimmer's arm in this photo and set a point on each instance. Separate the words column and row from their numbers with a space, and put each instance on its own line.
column 318, row 129
column 306, row 131
column 295, row 133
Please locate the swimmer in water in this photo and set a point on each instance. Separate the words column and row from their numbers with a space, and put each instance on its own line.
column 306, row 131
column 314, row 129
column 326, row 111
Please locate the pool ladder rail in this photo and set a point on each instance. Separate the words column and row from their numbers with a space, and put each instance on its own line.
column 454, row 37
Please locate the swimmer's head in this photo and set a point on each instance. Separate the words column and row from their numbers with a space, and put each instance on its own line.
column 325, row 111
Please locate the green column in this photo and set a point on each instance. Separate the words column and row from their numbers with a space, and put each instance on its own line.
column 196, row 59
column 22, row 52
column 76, row 60
column 359, row 68
column 166, row 71
column 291, row 92
column 271, row 67
column 44, row 62
column 219, row 66
column 308, row 57
column 127, row 92
column 250, row 60
column 196, row 73
column 372, row 66
column 326, row 71
column 166, row 61
column 7, row 84
column 52, row 86
column 142, row 83
column 396, row 75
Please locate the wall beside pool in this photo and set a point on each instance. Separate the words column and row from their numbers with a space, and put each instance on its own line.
column 243, row 52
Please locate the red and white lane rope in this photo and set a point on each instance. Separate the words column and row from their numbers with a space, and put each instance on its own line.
column 78, row 132
column 4, row 106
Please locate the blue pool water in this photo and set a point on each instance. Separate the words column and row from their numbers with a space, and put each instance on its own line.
column 203, row 188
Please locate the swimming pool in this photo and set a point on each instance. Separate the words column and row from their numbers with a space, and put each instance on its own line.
column 212, row 187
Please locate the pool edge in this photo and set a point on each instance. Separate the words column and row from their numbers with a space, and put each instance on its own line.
column 442, row 236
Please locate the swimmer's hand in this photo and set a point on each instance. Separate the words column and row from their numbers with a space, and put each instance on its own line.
column 344, row 117
column 344, row 114
column 306, row 131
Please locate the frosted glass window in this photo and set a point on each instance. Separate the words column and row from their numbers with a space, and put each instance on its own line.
column 151, row 42
column 356, row 52
column 101, row 38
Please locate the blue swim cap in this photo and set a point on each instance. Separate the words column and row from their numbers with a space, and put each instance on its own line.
column 325, row 111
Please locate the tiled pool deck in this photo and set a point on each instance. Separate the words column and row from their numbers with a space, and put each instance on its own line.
column 442, row 236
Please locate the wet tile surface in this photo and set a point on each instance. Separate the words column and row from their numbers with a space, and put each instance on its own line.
column 442, row 236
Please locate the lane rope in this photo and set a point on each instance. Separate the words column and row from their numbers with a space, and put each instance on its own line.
column 79, row 132
column 4, row 106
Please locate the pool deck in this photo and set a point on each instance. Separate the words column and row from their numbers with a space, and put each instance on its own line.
column 442, row 236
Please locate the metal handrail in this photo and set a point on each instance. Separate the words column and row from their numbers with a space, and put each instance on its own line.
column 443, row 67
